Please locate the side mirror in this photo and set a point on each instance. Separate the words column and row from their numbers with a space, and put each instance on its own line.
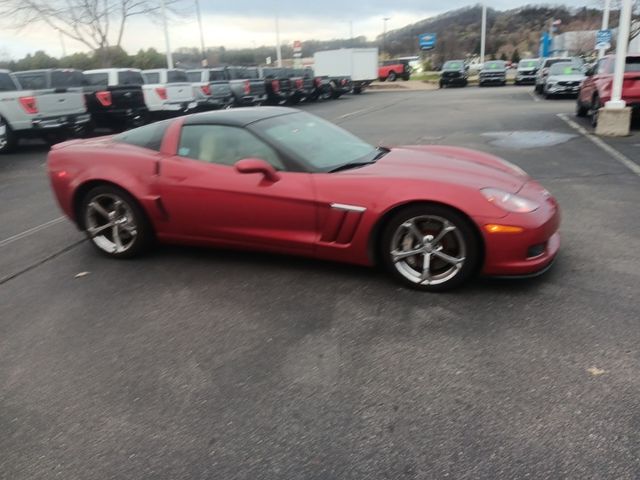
column 257, row 165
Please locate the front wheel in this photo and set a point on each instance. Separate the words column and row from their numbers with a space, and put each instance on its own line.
column 581, row 110
column 595, row 111
column 430, row 247
column 392, row 76
column 115, row 223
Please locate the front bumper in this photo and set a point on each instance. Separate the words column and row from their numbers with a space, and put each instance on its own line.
column 251, row 100
column 556, row 89
column 453, row 80
column 215, row 102
column 501, row 79
column 525, row 78
column 62, row 121
column 532, row 250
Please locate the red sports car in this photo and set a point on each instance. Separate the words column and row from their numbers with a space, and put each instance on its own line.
column 281, row 180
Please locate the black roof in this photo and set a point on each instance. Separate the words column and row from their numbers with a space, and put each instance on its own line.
column 237, row 117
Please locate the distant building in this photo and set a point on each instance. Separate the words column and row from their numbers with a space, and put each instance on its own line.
column 573, row 43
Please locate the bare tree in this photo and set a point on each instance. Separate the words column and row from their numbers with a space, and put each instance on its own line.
column 98, row 24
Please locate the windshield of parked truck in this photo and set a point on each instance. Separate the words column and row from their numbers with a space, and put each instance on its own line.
column 565, row 69
column 176, row 76
column 495, row 65
column 130, row 77
column 66, row 79
column 632, row 64
column 527, row 64
column 453, row 65
column 194, row 77
column 217, row 75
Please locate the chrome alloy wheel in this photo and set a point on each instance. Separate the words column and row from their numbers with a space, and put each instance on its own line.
column 4, row 134
column 428, row 250
column 110, row 223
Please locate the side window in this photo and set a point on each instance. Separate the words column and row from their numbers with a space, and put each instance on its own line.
column 32, row 81
column 6, row 83
column 149, row 136
column 224, row 145
column 100, row 80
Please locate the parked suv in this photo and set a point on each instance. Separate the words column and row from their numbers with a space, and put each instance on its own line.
column 493, row 72
column 564, row 78
column 393, row 69
column 114, row 98
column 454, row 73
column 596, row 89
column 545, row 64
column 527, row 70
column 49, row 105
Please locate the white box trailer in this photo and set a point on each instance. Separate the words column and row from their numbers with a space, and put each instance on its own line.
column 360, row 64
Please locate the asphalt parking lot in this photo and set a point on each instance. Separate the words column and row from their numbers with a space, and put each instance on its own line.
column 198, row 364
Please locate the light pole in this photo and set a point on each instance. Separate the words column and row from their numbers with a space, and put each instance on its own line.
column 278, row 46
column 384, row 33
column 483, row 35
column 605, row 24
column 166, row 34
column 204, row 54
column 616, row 102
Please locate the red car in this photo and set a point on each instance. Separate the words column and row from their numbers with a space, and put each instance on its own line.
column 281, row 180
column 596, row 89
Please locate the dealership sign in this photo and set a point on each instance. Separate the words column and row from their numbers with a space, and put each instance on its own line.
column 603, row 40
column 427, row 41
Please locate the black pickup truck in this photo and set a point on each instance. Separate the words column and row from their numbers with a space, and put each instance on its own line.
column 114, row 98
column 302, row 83
column 276, row 82
column 247, row 87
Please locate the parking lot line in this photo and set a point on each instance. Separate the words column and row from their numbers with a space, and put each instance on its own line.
column 623, row 159
column 31, row 231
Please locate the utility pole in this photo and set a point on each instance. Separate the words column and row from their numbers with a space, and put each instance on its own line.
column 205, row 63
column 605, row 23
column 278, row 46
column 384, row 33
column 616, row 102
column 483, row 34
column 166, row 35
column 351, row 30
column 64, row 49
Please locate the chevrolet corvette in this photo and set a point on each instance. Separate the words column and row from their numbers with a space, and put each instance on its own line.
column 282, row 180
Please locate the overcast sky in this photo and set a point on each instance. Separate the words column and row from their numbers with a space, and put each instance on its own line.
column 247, row 23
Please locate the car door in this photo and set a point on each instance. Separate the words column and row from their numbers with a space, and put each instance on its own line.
column 206, row 198
column 594, row 82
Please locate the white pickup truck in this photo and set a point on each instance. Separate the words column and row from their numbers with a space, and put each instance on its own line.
column 54, row 113
column 168, row 92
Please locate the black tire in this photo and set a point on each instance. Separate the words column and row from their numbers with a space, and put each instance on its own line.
column 465, row 83
column 461, row 244
column 134, row 214
column 480, row 84
column 595, row 110
column 357, row 90
column 8, row 140
column 441, row 84
column 406, row 78
column 581, row 110
column 393, row 76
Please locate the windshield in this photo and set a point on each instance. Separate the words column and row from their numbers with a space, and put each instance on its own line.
column 632, row 64
column 130, row 77
column 66, row 78
column 318, row 144
column 528, row 64
column 452, row 65
column 565, row 69
column 495, row 65
column 194, row 76
column 176, row 76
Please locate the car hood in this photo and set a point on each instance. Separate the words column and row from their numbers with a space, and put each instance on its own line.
column 450, row 165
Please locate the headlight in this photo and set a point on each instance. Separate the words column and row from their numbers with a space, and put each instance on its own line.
column 509, row 201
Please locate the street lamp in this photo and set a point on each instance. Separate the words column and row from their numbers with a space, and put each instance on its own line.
column 204, row 54
column 483, row 35
column 384, row 32
column 605, row 24
column 166, row 34
column 278, row 46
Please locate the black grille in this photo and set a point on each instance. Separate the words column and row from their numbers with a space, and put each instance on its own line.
column 569, row 84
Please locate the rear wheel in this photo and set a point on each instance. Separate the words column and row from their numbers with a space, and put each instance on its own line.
column 7, row 137
column 392, row 76
column 115, row 223
column 430, row 247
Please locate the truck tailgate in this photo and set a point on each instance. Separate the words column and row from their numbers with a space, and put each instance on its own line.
column 127, row 97
column 51, row 103
column 180, row 92
column 258, row 87
column 220, row 89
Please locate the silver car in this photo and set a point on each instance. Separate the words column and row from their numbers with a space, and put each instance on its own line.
column 564, row 78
